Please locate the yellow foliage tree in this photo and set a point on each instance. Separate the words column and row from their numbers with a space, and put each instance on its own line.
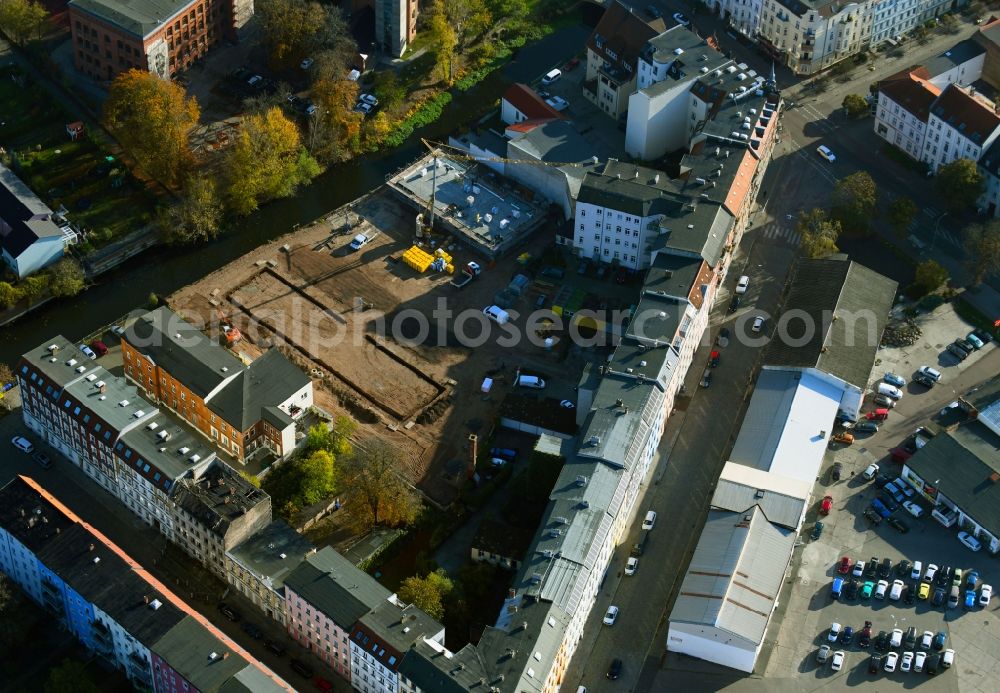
column 152, row 117
column 267, row 161
column 444, row 39
column 335, row 129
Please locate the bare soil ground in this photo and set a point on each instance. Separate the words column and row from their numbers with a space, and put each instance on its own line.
column 323, row 305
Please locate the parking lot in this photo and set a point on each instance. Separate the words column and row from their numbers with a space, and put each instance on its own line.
column 807, row 609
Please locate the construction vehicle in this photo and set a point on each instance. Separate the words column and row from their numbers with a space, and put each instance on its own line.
column 469, row 273
column 231, row 334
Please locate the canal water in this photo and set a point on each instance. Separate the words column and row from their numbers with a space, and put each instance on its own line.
column 164, row 270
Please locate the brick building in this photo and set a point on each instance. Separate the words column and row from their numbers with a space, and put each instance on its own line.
column 162, row 36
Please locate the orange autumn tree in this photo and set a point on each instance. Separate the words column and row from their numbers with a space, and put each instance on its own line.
column 335, row 128
column 151, row 118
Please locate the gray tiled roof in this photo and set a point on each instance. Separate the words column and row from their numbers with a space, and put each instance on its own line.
column 137, row 17
column 187, row 648
column 269, row 380
column 183, row 351
column 848, row 307
column 961, row 52
column 778, row 508
column 336, row 587
column 961, row 464
column 440, row 673
column 735, row 574
column 631, row 189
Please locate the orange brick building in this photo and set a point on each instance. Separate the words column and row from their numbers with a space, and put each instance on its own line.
column 242, row 409
column 162, row 36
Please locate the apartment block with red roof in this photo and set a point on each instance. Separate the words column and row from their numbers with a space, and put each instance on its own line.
column 520, row 103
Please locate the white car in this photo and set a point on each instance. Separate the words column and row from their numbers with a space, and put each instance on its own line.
column 918, row 661
column 918, row 568
column 630, row 565
column 825, row 152
column 742, row 284
column 838, row 660
column 363, row 107
column 907, row 662
column 880, row 589
column 369, row 99
column 87, row 351
column 926, row 640
column 897, row 638
column 890, row 662
column 22, row 444
column 859, row 569
column 758, row 324
column 359, row 241
column 970, row 541
column 557, row 102
column 611, row 616
column 566, row 404
column 931, row 572
column 307, row 63
column 932, row 373
column 948, row 658
column 835, row 630
column 681, row 19
column 870, row 471
column 985, row 594
column 897, row 590
column 913, row 509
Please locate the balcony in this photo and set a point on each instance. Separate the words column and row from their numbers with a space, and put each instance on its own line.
column 104, row 643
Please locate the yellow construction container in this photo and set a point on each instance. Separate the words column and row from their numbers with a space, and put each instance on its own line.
column 450, row 269
column 418, row 259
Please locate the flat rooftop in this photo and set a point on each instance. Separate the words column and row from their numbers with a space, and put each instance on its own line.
column 471, row 201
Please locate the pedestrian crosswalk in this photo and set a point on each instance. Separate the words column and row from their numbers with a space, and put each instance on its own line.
column 933, row 212
column 781, row 231
column 924, row 233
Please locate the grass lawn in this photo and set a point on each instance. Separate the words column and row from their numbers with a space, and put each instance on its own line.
column 98, row 195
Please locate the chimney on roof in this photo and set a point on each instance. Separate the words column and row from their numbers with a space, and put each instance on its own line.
column 995, row 477
column 90, row 547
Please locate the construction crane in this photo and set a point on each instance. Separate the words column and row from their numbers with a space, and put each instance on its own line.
column 460, row 154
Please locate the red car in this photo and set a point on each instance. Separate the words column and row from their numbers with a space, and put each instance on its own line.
column 322, row 684
column 571, row 65
column 845, row 565
column 826, row 506
column 900, row 455
column 99, row 347
column 714, row 358
column 877, row 415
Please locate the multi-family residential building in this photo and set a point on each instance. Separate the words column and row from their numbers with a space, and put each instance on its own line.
column 164, row 37
column 743, row 15
column 257, row 568
column 988, row 37
column 395, row 25
column 810, row 35
column 113, row 606
column 379, row 640
column 891, row 19
column 324, row 598
column 214, row 512
column 933, row 113
column 613, row 57
column 244, row 410
column 29, row 238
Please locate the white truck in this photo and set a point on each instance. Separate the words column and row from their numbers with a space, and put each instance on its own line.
column 361, row 240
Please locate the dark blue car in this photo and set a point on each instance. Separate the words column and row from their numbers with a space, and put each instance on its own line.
column 880, row 508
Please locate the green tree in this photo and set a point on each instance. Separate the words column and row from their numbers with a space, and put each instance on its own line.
column 70, row 675
column 469, row 19
column 197, row 216
column 375, row 488
column 335, row 439
column 35, row 286
column 252, row 479
column 267, row 161
column 444, row 39
column 389, row 90
column 9, row 295
column 65, row 277
column 902, row 212
column 960, row 184
column 23, row 20
column 508, row 14
column 855, row 106
column 317, row 477
column 982, row 249
column 949, row 23
column 819, row 233
column 295, row 29
column 929, row 277
column 152, row 118
column 427, row 593
column 854, row 199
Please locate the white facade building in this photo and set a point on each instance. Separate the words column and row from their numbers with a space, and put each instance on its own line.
column 891, row 19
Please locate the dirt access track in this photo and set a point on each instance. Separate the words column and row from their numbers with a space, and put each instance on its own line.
column 327, row 308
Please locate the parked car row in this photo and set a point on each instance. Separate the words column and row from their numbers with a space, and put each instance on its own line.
column 922, row 653
column 871, row 580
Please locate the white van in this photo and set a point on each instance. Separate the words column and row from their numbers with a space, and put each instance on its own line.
column 496, row 314
column 890, row 391
column 531, row 381
column 650, row 520
column 551, row 76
